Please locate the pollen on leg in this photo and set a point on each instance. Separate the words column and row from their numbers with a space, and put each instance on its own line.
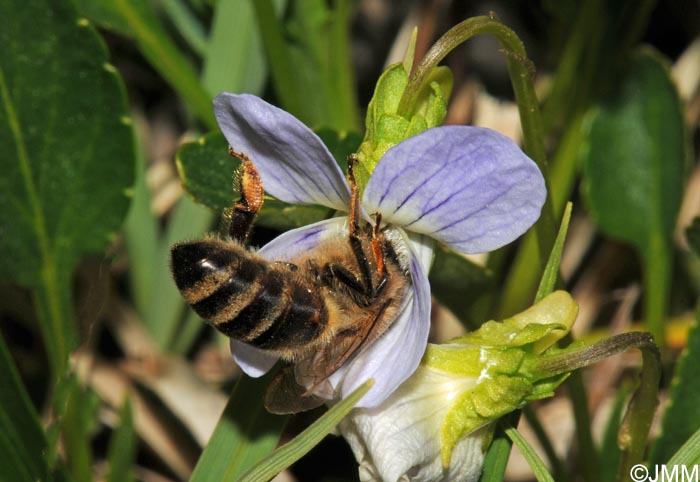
column 250, row 187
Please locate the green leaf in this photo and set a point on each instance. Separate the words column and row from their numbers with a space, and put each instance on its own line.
column 22, row 441
column 122, row 447
column 539, row 470
column 551, row 270
column 68, row 155
column 341, row 144
column 636, row 155
column 681, row 417
column 78, row 423
column 302, row 444
column 634, row 165
column 207, row 172
column 244, row 435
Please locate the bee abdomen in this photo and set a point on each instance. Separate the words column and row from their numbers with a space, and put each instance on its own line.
column 199, row 267
column 260, row 312
column 247, row 299
column 302, row 322
column 217, row 279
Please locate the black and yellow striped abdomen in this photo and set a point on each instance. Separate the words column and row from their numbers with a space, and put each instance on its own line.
column 248, row 298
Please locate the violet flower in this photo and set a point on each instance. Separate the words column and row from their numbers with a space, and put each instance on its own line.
column 467, row 187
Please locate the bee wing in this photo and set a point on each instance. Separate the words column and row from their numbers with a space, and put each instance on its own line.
column 284, row 395
column 304, row 385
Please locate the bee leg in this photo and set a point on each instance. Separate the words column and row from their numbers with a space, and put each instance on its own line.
column 368, row 271
column 354, row 197
column 335, row 272
column 242, row 214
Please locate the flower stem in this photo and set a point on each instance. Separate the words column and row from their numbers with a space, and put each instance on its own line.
column 635, row 426
column 568, row 360
column 521, row 72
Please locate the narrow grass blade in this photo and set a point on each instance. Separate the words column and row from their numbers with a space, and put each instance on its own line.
column 689, row 454
column 187, row 24
column 681, row 417
column 187, row 221
column 245, row 434
column 551, row 269
column 234, row 58
column 122, row 448
column 539, row 470
column 286, row 455
column 497, row 455
column 141, row 234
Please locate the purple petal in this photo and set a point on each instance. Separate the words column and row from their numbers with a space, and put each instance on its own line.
column 469, row 187
column 291, row 244
column 397, row 354
column 295, row 165
column 253, row 361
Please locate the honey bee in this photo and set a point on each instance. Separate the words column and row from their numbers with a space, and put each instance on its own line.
column 315, row 311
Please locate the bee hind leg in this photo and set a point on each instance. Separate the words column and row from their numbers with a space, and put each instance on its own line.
column 241, row 215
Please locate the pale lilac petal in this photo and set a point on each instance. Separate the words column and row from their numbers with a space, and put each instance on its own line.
column 253, row 361
column 397, row 354
column 469, row 187
column 294, row 164
column 286, row 247
column 291, row 244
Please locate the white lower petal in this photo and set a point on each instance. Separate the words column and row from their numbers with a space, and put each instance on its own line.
column 253, row 361
column 399, row 440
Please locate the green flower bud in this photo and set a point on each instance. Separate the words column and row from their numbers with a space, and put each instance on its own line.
column 385, row 127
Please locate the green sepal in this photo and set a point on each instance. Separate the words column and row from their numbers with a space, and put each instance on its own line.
column 489, row 400
column 543, row 324
column 433, row 97
column 385, row 128
column 501, row 357
column 385, row 100
column 494, row 396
